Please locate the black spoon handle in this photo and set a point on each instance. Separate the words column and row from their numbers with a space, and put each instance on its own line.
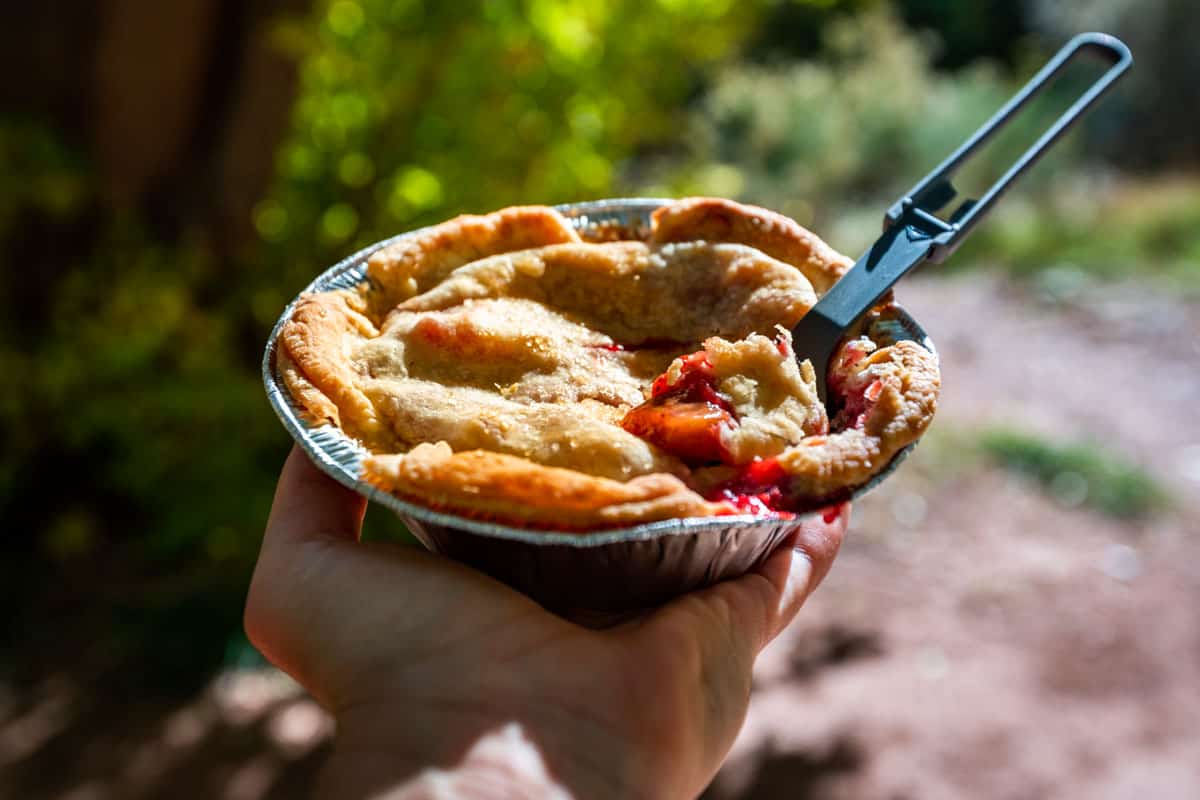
column 934, row 190
column 912, row 231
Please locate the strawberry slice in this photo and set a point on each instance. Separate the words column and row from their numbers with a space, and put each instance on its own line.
column 685, row 417
column 758, row 489
column 690, row 430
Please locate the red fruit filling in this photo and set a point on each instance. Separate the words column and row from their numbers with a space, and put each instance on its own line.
column 857, row 405
column 691, row 431
column 687, row 417
column 758, row 489
column 696, row 384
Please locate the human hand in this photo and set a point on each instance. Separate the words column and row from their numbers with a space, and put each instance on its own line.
column 445, row 682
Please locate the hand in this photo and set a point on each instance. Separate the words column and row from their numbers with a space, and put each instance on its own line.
column 441, row 678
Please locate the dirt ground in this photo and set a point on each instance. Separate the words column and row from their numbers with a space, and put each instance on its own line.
column 975, row 639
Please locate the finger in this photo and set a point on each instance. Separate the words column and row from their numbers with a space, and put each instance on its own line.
column 796, row 569
column 288, row 600
column 741, row 616
column 309, row 504
column 704, row 644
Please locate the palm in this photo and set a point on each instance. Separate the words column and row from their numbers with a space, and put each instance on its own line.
column 371, row 626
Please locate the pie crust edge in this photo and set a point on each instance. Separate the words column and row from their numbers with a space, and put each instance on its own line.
column 312, row 358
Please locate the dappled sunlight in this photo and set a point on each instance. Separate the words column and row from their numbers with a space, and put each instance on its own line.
column 298, row 727
column 1011, row 640
column 244, row 696
column 252, row 780
column 250, row 734
column 50, row 710
column 498, row 757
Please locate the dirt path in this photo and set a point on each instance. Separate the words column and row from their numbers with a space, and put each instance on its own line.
column 1111, row 365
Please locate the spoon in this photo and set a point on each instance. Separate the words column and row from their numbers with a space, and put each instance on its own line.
column 913, row 233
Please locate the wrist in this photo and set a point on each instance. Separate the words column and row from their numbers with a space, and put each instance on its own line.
column 502, row 765
column 467, row 754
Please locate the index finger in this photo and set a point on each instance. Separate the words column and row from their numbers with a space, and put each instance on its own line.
column 309, row 504
column 753, row 609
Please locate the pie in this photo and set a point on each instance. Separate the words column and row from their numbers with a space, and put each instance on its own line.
column 509, row 367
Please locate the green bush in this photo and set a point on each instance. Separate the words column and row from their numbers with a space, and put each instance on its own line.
column 412, row 112
column 850, row 129
column 1079, row 473
column 835, row 139
column 1097, row 229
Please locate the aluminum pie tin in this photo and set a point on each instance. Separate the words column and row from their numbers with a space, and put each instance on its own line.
column 601, row 572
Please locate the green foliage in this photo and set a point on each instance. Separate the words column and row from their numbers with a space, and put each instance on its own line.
column 850, row 129
column 1145, row 230
column 413, row 111
column 969, row 31
column 41, row 172
column 137, row 455
column 834, row 140
column 1078, row 473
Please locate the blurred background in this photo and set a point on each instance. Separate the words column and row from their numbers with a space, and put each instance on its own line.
column 1014, row 614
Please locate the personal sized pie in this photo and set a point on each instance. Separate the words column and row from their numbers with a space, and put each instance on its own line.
column 510, row 367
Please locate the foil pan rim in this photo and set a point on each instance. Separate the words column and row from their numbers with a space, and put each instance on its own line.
column 338, row 456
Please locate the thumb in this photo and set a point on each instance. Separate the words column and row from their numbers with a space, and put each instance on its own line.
column 706, row 642
column 764, row 602
column 741, row 616
column 309, row 504
column 312, row 516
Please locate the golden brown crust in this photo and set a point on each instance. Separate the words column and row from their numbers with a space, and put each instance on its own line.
column 773, row 395
column 318, row 408
column 414, row 264
column 633, row 291
column 490, row 362
column 716, row 220
column 494, row 486
column 314, row 357
column 901, row 384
